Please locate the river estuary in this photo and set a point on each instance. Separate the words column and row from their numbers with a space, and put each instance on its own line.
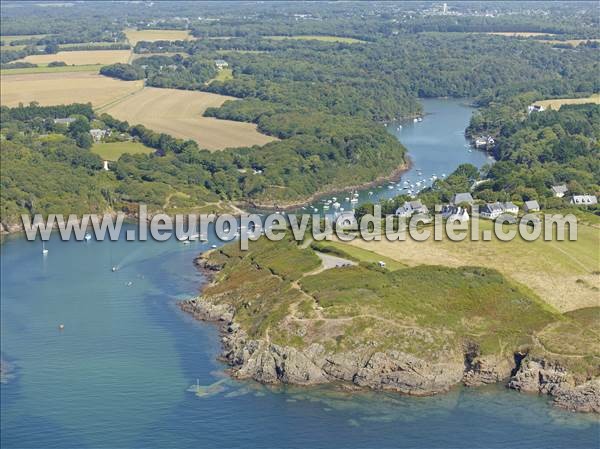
column 118, row 374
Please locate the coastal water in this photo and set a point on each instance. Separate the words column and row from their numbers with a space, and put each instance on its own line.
column 436, row 147
column 119, row 374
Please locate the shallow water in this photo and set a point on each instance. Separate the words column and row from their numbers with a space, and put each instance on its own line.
column 124, row 370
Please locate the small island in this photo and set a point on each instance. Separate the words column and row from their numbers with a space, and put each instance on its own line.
column 289, row 317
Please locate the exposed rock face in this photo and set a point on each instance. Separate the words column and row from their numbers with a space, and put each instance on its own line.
column 267, row 362
column 484, row 370
column 271, row 363
column 537, row 375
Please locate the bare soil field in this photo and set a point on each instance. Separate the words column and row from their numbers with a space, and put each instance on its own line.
column 135, row 36
column 63, row 88
column 564, row 274
column 179, row 113
column 82, row 57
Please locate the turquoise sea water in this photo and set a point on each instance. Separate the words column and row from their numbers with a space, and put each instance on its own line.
column 118, row 375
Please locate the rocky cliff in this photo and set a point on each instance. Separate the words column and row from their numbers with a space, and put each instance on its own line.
column 237, row 299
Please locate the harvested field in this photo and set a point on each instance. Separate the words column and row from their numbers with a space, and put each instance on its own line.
column 63, row 88
column 556, row 103
column 179, row 113
column 135, row 36
column 82, row 57
column 564, row 274
column 572, row 42
column 95, row 68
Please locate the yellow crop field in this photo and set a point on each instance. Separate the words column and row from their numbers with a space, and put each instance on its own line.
column 135, row 36
column 179, row 113
column 572, row 42
column 63, row 88
column 82, row 57
column 565, row 274
column 556, row 103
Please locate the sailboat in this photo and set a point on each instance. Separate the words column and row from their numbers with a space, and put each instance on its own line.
column 44, row 250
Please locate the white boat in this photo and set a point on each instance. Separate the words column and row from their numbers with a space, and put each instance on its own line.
column 415, row 120
column 87, row 237
column 315, row 210
column 419, row 119
column 213, row 246
column 354, row 200
column 336, row 205
column 370, row 193
column 44, row 250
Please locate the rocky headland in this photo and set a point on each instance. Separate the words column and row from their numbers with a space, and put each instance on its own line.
column 295, row 347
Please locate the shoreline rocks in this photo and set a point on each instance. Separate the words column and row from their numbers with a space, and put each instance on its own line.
column 537, row 375
column 365, row 368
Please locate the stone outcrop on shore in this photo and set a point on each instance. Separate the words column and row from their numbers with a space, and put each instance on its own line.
column 391, row 370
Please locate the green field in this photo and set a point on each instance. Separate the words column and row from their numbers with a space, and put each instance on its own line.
column 112, row 151
column 562, row 273
column 46, row 69
column 357, row 254
column 8, row 39
column 313, row 37
column 224, row 75
column 91, row 44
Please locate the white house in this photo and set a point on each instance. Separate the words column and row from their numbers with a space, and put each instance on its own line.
column 584, row 200
column 484, row 141
column 535, row 108
column 221, row 63
column 460, row 198
column 411, row 207
column 491, row 210
column 531, row 206
column 559, row 191
column 64, row 121
column 494, row 210
column 511, row 208
column 453, row 213
column 98, row 134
